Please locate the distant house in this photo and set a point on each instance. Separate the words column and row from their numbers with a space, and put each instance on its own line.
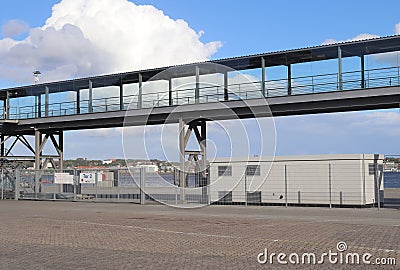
column 108, row 162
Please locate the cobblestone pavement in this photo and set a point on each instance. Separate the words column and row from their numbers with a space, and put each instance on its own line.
column 66, row 235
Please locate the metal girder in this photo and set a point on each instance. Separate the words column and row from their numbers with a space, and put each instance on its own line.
column 40, row 143
column 198, row 156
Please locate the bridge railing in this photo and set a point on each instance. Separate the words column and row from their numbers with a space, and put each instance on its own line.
column 381, row 77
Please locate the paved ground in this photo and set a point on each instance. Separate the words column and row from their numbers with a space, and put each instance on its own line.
column 67, row 235
column 392, row 198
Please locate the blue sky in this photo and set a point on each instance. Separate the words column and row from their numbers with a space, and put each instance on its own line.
column 241, row 28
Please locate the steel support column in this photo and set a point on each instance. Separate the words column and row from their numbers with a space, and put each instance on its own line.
column 182, row 175
column 140, row 97
column 38, row 139
column 197, row 89
column 46, row 101
column 170, row 100
column 121, row 96
column 340, row 71
column 226, row 93
column 39, row 105
column 263, row 77
column 78, row 101
column 90, row 106
column 41, row 160
column 199, row 157
column 7, row 106
column 61, row 149
column 2, row 147
column 362, row 71
column 289, row 79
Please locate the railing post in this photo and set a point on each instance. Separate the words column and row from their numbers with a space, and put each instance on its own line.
column 312, row 84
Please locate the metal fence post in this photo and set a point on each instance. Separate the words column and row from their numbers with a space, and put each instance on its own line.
column 76, row 181
column 142, row 184
column 286, row 186
column 245, row 189
column 363, row 176
column 176, row 194
column 209, row 192
column 17, row 181
column 2, row 184
column 377, row 185
column 96, row 181
column 330, row 186
column 37, row 183
column 118, row 184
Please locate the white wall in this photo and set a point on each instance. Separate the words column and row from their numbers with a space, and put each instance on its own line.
column 308, row 175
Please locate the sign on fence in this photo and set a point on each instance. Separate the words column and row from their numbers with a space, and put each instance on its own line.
column 63, row 178
column 90, row 177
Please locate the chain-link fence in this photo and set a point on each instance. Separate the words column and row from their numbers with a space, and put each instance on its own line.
column 113, row 185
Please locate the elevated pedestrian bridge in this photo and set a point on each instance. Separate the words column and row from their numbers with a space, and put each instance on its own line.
column 163, row 95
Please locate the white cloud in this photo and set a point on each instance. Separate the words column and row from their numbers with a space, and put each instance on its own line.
column 397, row 29
column 358, row 37
column 14, row 28
column 92, row 37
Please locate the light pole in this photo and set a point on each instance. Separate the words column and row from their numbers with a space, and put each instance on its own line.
column 36, row 74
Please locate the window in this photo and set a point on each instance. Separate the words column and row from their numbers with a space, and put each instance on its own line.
column 254, row 197
column 371, row 168
column 252, row 170
column 224, row 170
column 225, row 196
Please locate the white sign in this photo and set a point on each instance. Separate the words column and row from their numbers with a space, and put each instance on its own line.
column 63, row 178
column 87, row 178
column 90, row 177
